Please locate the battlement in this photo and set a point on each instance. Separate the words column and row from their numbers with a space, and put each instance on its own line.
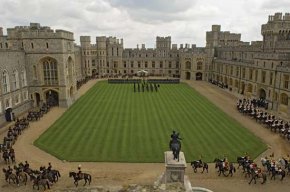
column 286, row 17
column 101, row 39
column 279, row 17
column 163, row 38
column 35, row 31
column 114, row 40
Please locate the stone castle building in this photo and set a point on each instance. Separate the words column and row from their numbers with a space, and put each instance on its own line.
column 38, row 64
column 258, row 69
column 108, row 57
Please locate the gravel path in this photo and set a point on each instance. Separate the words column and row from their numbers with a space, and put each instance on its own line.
column 116, row 174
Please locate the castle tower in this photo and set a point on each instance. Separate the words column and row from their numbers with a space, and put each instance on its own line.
column 85, row 41
column 163, row 43
column 276, row 32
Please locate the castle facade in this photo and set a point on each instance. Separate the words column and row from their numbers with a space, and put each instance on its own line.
column 39, row 64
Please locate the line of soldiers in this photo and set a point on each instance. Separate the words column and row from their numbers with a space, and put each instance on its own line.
column 275, row 124
column 146, row 87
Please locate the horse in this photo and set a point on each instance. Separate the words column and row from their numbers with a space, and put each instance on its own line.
column 6, row 157
column 266, row 163
column 51, row 175
column 241, row 161
column 199, row 164
column 284, row 163
column 37, row 181
column 256, row 174
column 226, row 171
column 12, row 156
column 22, row 176
column 55, row 173
column 77, row 177
column 175, row 147
column 277, row 172
column 10, row 176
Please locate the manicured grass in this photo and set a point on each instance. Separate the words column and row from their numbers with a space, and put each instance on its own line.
column 112, row 123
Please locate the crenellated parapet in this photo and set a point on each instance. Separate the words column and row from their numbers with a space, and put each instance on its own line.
column 35, row 31
column 276, row 24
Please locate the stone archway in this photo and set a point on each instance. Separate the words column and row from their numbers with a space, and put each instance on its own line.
column 52, row 98
column 94, row 72
column 187, row 75
column 262, row 94
column 198, row 76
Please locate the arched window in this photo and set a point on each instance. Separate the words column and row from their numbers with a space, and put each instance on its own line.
column 199, row 66
column 188, row 65
column 50, row 76
column 5, row 82
column 15, row 80
column 23, row 78
column 284, row 99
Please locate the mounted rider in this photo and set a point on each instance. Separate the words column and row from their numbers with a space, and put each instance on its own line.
column 225, row 162
column 79, row 174
column 49, row 167
column 26, row 165
column 174, row 138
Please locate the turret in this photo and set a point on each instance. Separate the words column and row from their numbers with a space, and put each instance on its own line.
column 85, row 41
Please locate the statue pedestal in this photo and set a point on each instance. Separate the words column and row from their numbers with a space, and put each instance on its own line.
column 174, row 169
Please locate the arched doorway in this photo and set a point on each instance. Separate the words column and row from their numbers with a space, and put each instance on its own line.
column 187, row 75
column 198, row 76
column 262, row 94
column 37, row 99
column 52, row 98
column 94, row 72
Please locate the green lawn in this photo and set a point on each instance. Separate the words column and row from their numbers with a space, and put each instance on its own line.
column 112, row 123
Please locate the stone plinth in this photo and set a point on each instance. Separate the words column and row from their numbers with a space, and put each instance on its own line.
column 174, row 169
